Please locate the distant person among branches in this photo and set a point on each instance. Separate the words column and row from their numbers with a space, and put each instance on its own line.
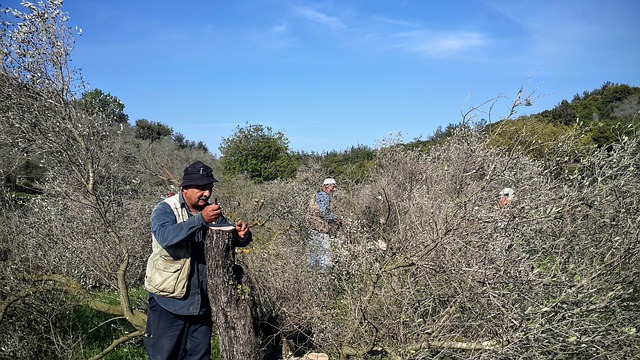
column 506, row 196
column 179, row 321
column 322, row 221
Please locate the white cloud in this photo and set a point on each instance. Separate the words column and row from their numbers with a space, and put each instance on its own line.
column 319, row 17
column 279, row 29
column 437, row 44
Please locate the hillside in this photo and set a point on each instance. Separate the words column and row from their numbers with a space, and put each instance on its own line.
column 600, row 117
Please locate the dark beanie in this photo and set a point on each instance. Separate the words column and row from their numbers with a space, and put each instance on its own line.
column 197, row 174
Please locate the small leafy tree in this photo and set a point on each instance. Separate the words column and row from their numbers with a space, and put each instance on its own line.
column 353, row 164
column 258, row 152
column 184, row 143
column 151, row 130
column 97, row 102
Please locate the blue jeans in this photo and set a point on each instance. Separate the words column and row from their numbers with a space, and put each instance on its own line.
column 320, row 256
column 171, row 337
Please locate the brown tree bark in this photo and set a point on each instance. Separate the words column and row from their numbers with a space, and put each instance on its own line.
column 232, row 304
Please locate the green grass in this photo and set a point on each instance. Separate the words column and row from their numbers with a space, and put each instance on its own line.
column 101, row 329
column 24, row 196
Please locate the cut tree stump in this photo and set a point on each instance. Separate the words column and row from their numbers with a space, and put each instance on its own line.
column 232, row 304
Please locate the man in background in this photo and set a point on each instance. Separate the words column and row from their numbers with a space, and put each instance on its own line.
column 505, row 197
column 322, row 221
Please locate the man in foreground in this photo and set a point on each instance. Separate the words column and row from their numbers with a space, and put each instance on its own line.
column 179, row 321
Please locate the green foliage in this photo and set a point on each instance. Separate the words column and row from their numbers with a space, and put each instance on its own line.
column 438, row 136
column 527, row 135
column 564, row 113
column 353, row 164
column 97, row 102
column 101, row 330
column 609, row 101
column 601, row 117
column 606, row 133
column 151, row 130
column 184, row 143
column 259, row 153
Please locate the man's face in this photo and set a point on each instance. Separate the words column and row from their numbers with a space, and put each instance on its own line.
column 331, row 188
column 196, row 196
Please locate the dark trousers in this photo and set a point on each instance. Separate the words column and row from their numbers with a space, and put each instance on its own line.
column 172, row 337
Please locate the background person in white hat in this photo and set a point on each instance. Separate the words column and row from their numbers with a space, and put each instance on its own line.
column 506, row 196
column 322, row 221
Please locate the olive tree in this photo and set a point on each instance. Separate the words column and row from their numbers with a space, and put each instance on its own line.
column 97, row 102
column 87, row 235
column 81, row 211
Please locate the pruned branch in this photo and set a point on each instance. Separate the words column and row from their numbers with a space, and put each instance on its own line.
column 116, row 343
column 65, row 284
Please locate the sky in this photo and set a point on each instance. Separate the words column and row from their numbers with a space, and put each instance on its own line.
column 335, row 74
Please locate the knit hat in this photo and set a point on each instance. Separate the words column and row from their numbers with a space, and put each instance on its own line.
column 197, row 174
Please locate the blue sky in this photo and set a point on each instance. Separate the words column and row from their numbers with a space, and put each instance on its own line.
column 340, row 73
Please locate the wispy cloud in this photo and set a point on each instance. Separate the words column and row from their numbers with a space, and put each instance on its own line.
column 383, row 32
column 439, row 44
column 319, row 17
column 277, row 37
column 393, row 21
column 279, row 29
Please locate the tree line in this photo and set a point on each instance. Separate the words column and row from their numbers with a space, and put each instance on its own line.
column 261, row 154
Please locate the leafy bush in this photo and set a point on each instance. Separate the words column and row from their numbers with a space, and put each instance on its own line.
column 259, row 153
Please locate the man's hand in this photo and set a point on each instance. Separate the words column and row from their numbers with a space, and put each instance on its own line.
column 242, row 228
column 211, row 213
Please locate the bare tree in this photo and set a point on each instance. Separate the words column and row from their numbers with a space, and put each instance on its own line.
column 84, row 232
column 82, row 208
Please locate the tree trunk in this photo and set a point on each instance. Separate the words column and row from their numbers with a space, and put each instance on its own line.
column 232, row 305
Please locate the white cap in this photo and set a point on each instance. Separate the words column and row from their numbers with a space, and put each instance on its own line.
column 508, row 192
column 329, row 181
